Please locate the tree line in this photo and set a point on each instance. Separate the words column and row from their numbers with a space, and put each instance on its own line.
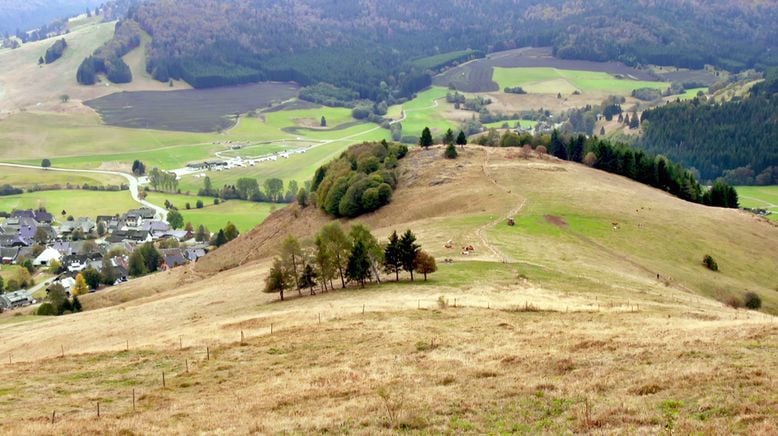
column 356, row 257
column 272, row 190
column 618, row 158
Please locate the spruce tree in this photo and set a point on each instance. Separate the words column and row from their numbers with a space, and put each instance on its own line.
column 426, row 138
column 358, row 268
column 448, row 138
column 451, row 152
column 409, row 249
column 462, row 139
column 392, row 258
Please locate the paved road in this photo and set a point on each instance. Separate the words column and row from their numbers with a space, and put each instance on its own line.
column 131, row 181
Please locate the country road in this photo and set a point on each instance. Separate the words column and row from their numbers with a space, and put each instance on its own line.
column 131, row 180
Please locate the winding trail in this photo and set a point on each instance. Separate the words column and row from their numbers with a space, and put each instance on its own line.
column 481, row 232
column 131, row 180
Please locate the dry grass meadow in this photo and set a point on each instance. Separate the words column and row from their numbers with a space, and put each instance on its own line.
column 556, row 325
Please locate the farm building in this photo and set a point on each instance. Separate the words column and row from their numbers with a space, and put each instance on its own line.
column 12, row 300
column 46, row 257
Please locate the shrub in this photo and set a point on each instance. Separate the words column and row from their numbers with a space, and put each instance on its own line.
column 46, row 309
column 710, row 263
column 752, row 301
column 451, row 152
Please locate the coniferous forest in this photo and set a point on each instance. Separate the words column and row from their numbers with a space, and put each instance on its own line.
column 737, row 139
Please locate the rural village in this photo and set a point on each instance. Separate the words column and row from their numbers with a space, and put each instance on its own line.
column 58, row 250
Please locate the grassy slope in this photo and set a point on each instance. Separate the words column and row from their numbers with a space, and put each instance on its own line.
column 244, row 214
column 680, row 361
column 25, row 178
column 552, row 81
column 77, row 203
column 422, row 112
column 762, row 197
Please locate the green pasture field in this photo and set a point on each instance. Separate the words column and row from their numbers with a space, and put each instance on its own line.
column 423, row 112
column 526, row 124
column 552, row 81
column 77, row 203
column 25, row 178
column 244, row 214
column 761, row 197
column 690, row 94
column 80, row 141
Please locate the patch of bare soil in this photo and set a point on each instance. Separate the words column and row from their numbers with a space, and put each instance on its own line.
column 557, row 221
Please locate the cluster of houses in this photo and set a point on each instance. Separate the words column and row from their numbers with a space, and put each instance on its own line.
column 81, row 243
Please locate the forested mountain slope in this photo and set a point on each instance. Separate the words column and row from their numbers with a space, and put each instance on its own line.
column 27, row 14
column 721, row 139
column 359, row 44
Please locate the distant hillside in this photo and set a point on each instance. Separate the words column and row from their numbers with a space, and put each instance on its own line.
column 360, row 44
column 737, row 139
column 28, row 14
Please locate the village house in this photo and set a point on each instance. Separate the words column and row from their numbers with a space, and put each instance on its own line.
column 46, row 257
column 8, row 255
column 86, row 225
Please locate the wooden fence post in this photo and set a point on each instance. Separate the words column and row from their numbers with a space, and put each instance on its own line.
column 133, row 399
column 241, row 338
column 98, row 409
column 186, row 362
column 62, row 350
column 53, row 416
column 180, row 343
column 163, row 379
column 207, row 353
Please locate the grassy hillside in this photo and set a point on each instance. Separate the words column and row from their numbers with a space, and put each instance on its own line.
column 27, row 178
column 558, row 324
column 244, row 214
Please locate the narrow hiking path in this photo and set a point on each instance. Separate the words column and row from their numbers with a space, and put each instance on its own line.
column 481, row 232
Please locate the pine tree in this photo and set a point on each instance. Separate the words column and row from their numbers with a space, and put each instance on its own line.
column 462, row 139
column 392, row 257
column 409, row 249
column 448, row 138
column 220, row 239
column 426, row 138
column 358, row 268
column 451, row 152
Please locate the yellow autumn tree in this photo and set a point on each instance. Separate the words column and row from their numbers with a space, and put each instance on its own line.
column 80, row 288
